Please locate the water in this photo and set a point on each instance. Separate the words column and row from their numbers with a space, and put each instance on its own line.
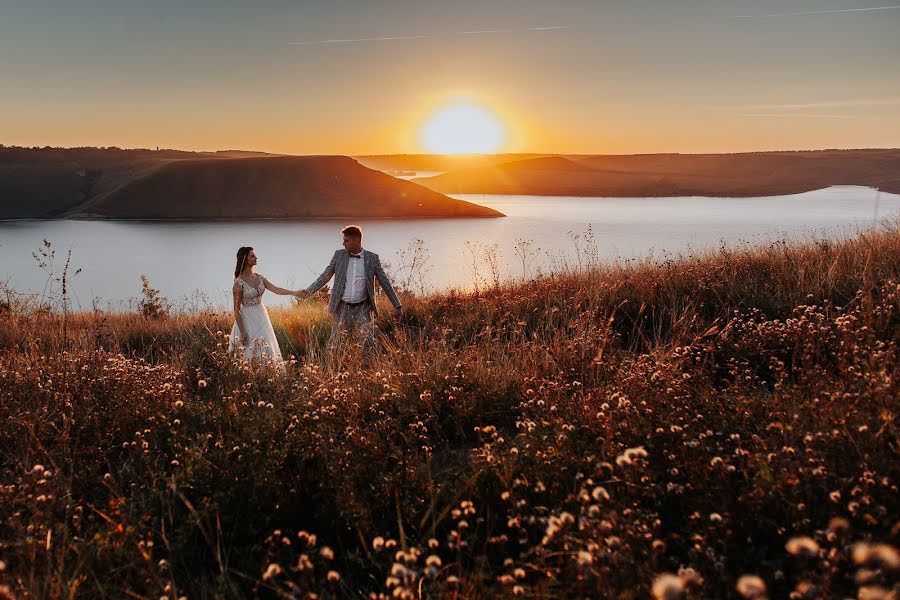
column 192, row 263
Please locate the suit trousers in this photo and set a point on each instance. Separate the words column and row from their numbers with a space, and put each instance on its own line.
column 352, row 322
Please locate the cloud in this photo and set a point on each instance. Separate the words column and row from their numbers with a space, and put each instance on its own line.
column 813, row 12
column 813, row 105
column 353, row 41
column 793, row 115
column 484, row 31
column 422, row 37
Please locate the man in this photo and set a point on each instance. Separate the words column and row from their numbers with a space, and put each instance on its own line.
column 352, row 298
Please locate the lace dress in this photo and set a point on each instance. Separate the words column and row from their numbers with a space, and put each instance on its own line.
column 262, row 345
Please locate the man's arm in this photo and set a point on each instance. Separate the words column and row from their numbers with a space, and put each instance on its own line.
column 324, row 277
column 386, row 283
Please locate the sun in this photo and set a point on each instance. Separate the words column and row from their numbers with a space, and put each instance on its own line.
column 462, row 128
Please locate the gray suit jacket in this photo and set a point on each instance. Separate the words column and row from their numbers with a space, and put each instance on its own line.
column 338, row 268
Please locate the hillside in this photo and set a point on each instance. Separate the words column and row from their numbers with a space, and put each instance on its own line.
column 438, row 162
column 617, row 433
column 288, row 187
column 751, row 174
column 147, row 184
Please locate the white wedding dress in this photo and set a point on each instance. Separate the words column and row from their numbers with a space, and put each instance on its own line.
column 262, row 345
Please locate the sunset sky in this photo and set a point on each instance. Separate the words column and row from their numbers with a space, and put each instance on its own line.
column 589, row 76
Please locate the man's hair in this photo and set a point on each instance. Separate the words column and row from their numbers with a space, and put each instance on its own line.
column 352, row 231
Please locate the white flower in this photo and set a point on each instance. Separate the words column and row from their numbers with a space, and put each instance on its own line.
column 802, row 546
column 273, row 570
column 667, row 587
column 751, row 586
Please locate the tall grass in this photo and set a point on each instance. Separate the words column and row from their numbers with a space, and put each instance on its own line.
column 715, row 426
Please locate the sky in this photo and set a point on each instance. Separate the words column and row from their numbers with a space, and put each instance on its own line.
column 365, row 76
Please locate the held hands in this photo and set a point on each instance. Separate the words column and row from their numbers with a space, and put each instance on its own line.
column 302, row 294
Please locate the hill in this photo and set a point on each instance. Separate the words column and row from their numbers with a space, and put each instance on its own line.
column 438, row 162
column 287, row 187
column 750, row 174
column 147, row 184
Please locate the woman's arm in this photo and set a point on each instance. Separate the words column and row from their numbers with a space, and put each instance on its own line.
column 236, row 290
column 277, row 290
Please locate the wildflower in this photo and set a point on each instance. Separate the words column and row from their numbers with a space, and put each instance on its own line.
column 327, row 553
column 433, row 561
column 883, row 555
column 627, row 457
column 334, row 576
column 37, row 469
column 802, row 546
column 518, row 590
column 433, row 543
column 667, row 587
column 835, row 496
column 751, row 586
column 599, row 493
column 201, row 384
column 2, row 566
column 179, row 403
column 584, row 558
column 715, row 517
column 398, row 570
column 273, row 570
column 804, row 590
column 874, row 592
column 519, row 573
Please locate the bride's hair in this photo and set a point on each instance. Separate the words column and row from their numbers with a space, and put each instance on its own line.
column 242, row 255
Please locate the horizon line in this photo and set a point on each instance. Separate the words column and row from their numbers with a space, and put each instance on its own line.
column 451, row 155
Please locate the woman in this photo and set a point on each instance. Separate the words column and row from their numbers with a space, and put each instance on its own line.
column 252, row 328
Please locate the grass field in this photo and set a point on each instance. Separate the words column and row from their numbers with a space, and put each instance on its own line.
column 715, row 426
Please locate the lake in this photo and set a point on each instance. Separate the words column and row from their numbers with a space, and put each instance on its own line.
column 192, row 263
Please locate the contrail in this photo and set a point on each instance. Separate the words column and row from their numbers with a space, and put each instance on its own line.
column 793, row 115
column 813, row 12
column 421, row 37
column 813, row 105
column 484, row 31
column 372, row 39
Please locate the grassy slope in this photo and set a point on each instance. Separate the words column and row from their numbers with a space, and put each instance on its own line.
column 492, row 433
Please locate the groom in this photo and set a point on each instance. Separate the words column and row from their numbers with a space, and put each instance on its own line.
column 352, row 298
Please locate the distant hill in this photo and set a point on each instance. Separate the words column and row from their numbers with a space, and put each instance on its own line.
column 749, row 174
column 148, row 184
column 438, row 162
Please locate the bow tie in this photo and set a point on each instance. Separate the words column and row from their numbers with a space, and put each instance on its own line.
column 355, row 256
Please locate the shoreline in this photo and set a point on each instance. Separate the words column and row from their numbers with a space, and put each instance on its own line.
column 101, row 218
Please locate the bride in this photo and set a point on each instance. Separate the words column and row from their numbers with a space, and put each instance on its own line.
column 252, row 329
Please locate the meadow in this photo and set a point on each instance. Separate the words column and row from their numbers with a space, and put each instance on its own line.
column 715, row 426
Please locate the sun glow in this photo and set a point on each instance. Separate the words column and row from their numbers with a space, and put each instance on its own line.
column 462, row 128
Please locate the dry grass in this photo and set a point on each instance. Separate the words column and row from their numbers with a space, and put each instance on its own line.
column 662, row 429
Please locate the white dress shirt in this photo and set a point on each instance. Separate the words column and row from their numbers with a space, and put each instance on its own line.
column 355, row 287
